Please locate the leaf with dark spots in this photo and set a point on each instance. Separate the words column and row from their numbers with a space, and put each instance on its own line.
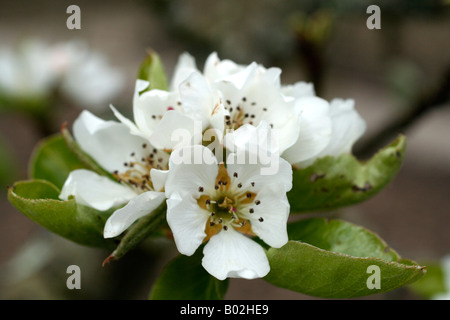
column 334, row 182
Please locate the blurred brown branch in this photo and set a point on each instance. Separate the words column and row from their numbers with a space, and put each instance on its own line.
column 434, row 99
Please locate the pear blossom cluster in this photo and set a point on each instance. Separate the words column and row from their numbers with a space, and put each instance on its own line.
column 34, row 70
column 218, row 148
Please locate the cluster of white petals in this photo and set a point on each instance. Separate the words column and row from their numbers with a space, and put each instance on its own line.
column 229, row 115
column 35, row 69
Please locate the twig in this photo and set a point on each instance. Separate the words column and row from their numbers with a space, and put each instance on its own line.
column 435, row 99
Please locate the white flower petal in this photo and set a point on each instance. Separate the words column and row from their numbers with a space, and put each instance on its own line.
column 240, row 79
column 130, row 124
column 199, row 99
column 150, row 107
column 138, row 207
column 108, row 142
column 217, row 120
column 255, row 173
column 140, row 86
column 27, row 71
column 248, row 138
column 215, row 68
column 273, row 208
column 271, row 75
column 315, row 129
column 298, row 90
column 183, row 69
column 93, row 190
column 175, row 130
column 265, row 102
column 187, row 222
column 190, row 168
column 229, row 254
column 159, row 178
column 91, row 82
column 348, row 126
column 256, row 176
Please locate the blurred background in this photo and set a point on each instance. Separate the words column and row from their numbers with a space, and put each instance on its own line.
column 399, row 77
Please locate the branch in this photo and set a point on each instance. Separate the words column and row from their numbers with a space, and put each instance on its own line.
column 433, row 100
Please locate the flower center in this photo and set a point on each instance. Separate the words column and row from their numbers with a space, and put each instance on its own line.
column 229, row 205
column 243, row 112
column 136, row 172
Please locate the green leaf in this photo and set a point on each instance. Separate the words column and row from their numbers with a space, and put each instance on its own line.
column 38, row 200
column 432, row 284
column 52, row 160
column 341, row 237
column 152, row 70
column 333, row 182
column 184, row 278
column 331, row 259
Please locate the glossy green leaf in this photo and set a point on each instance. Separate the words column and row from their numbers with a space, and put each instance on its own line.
column 152, row 70
column 342, row 237
column 38, row 200
column 184, row 278
column 333, row 182
column 52, row 160
column 333, row 259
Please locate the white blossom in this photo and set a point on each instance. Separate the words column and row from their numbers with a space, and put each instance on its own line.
column 138, row 168
column 26, row 71
column 36, row 70
column 222, row 205
column 347, row 126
